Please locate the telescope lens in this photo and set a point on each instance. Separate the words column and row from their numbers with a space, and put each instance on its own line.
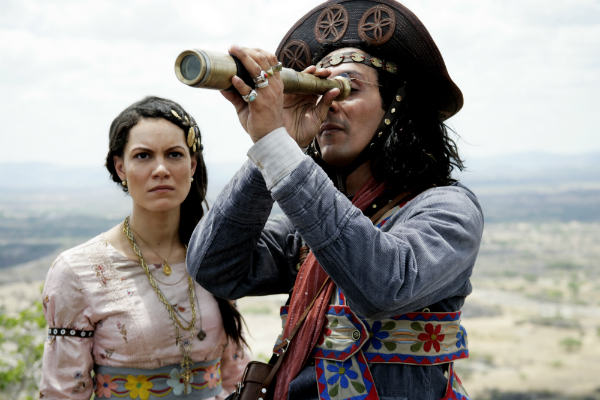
column 190, row 67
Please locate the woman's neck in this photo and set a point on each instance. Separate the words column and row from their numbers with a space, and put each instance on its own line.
column 157, row 229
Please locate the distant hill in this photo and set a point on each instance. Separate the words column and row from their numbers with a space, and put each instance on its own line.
column 526, row 186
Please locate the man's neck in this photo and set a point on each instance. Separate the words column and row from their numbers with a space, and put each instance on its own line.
column 358, row 178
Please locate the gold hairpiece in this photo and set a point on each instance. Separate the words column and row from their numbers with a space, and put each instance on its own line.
column 193, row 133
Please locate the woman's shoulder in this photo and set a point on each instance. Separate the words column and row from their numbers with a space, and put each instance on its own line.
column 96, row 244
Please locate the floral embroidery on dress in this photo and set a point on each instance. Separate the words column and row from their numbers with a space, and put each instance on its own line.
column 175, row 381
column 104, row 386
column 80, row 384
column 122, row 330
column 138, row 386
column 100, row 274
column 211, row 376
column 106, row 353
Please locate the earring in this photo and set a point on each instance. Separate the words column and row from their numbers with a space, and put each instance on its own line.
column 191, row 179
column 124, row 183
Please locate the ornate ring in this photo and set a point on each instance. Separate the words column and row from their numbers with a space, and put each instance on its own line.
column 275, row 68
column 250, row 97
column 262, row 84
column 261, row 77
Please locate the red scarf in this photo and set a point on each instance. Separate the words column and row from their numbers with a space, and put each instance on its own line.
column 308, row 281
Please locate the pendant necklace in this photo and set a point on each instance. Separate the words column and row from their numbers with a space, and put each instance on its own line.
column 166, row 268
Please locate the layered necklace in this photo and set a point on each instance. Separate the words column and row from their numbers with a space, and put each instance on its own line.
column 166, row 268
column 184, row 344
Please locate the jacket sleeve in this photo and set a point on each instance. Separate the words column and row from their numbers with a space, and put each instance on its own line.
column 67, row 361
column 234, row 251
column 422, row 255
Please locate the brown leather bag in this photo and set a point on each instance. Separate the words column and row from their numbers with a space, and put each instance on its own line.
column 255, row 383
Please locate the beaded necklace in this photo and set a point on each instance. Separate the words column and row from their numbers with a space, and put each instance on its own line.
column 184, row 344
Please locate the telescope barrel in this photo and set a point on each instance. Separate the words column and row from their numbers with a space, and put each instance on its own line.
column 205, row 69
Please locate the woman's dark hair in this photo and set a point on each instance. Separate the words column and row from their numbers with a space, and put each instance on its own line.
column 417, row 152
column 192, row 208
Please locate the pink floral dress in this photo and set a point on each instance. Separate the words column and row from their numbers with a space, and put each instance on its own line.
column 103, row 315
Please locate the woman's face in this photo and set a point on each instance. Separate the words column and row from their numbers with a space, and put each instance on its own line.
column 157, row 165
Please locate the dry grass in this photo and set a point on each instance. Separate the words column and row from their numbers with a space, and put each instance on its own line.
column 533, row 318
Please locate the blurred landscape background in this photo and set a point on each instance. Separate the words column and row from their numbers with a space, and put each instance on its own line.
column 533, row 318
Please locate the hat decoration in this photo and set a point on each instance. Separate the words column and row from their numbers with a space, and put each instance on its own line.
column 393, row 30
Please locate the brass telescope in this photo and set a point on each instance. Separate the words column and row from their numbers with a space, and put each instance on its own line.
column 205, row 69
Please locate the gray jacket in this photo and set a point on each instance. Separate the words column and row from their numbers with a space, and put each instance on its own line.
column 422, row 257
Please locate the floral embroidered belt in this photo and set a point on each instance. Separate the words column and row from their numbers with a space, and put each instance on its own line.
column 164, row 383
column 420, row 338
column 349, row 344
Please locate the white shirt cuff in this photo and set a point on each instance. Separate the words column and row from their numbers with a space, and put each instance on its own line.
column 276, row 155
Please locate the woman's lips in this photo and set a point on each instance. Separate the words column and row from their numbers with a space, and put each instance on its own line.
column 162, row 188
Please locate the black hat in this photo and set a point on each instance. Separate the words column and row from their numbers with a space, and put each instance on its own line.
column 384, row 29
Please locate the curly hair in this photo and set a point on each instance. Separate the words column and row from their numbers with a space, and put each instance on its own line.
column 418, row 152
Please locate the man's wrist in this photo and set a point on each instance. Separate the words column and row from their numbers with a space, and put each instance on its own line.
column 276, row 155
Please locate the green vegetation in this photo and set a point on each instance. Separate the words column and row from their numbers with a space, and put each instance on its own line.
column 571, row 344
column 21, row 348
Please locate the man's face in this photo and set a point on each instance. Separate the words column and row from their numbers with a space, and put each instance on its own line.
column 351, row 123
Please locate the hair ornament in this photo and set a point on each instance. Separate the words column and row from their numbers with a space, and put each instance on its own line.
column 193, row 133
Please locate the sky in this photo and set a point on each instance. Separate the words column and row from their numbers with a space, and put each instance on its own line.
column 529, row 70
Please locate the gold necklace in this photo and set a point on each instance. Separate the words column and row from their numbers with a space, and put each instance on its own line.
column 166, row 268
column 185, row 345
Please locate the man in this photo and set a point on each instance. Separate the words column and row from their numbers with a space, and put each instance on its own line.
column 364, row 184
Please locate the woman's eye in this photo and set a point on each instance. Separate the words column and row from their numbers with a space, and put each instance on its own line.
column 141, row 156
column 175, row 154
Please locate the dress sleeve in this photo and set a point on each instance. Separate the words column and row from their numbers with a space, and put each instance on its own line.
column 233, row 363
column 67, row 360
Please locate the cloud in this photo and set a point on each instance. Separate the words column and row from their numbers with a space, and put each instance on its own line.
column 529, row 71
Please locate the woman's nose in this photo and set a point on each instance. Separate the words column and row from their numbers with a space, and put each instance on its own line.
column 160, row 169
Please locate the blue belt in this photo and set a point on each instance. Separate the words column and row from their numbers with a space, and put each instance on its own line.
column 164, row 383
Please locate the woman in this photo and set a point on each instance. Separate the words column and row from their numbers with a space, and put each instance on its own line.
column 122, row 304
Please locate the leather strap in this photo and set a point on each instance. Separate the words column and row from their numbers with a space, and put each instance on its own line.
column 292, row 334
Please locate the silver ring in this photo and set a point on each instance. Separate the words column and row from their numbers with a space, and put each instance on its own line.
column 275, row 68
column 262, row 84
column 250, row 97
column 261, row 77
